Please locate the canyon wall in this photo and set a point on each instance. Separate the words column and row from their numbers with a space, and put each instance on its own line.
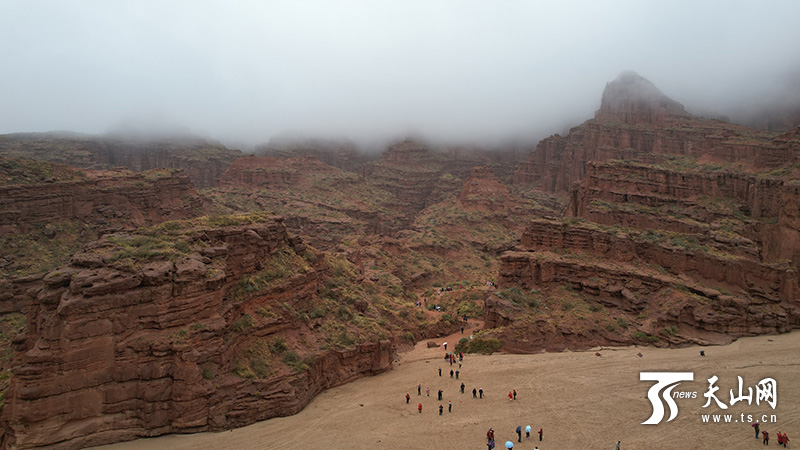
column 119, row 346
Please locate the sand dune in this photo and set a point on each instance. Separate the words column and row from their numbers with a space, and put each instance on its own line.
column 582, row 401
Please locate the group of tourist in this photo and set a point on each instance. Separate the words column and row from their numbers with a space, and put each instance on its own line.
column 783, row 439
column 490, row 439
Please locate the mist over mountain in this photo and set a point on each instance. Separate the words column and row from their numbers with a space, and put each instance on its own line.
column 246, row 72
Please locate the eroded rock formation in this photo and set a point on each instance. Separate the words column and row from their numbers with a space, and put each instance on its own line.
column 122, row 343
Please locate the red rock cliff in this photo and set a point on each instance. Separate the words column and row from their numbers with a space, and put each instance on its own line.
column 119, row 347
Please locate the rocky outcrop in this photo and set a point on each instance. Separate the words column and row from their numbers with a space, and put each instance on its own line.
column 763, row 209
column 343, row 155
column 633, row 100
column 114, row 198
column 483, row 190
column 707, row 261
column 200, row 335
column 650, row 301
column 203, row 161
column 636, row 122
column 265, row 172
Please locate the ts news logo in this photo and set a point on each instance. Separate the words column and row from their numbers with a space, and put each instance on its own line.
column 670, row 381
column 766, row 391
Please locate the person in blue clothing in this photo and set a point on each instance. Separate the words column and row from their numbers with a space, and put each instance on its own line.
column 519, row 433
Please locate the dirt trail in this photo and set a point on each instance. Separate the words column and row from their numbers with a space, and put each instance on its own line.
column 581, row 400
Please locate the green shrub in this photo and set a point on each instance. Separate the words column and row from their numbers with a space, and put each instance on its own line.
column 243, row 323
column 278, row 345
column 485, row 346
column 642, row 336
column 622, row 322
column 294, row 361
column 462, row 345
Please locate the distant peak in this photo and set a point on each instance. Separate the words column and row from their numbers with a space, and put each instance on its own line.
column 633, row 99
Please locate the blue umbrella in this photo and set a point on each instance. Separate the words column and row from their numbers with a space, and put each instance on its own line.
column 528, row 429
column 509, row 444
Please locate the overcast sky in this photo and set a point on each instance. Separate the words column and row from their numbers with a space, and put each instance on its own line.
column 242, row 71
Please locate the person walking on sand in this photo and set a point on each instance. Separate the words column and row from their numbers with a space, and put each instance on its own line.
column 490, row 434
column 428, row 392
column 440, row 394
column 441, row 409
column 618, row 442
column 519, row 433
column 408, row 398
column 528, row 432
column 445, row 345
column 456, row 374
column 765, row 435
column 480, row 392
column 540, row 435
column 419, row 407
column 755, row 425
column 419, row 389
column 451, row 373
column 449, row 406
column 462, row 388
column 515, row 394
column 510, row 396
column 474, row 391
column 440, row 371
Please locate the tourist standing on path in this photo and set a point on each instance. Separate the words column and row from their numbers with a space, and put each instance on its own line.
column 445, row 345
column 419, row 407
column 451, row 373
column 440, row 394
column 462, row 388
column 440, row 371
column 515, row 394
column 441, row 409
column 419, row 389
column 540, row 435
column 480, row 392
column 449, row 406
column 474, row 391
column 519, row 433
column 408, row 398
column 456, row 374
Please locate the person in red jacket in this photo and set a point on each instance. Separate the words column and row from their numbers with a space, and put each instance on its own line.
column 510, row 396
column 408, row 398
column 420, row 408
column 766, row 437
column 540, row 435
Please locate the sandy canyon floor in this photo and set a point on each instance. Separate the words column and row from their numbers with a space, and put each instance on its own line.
column 579, row 399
